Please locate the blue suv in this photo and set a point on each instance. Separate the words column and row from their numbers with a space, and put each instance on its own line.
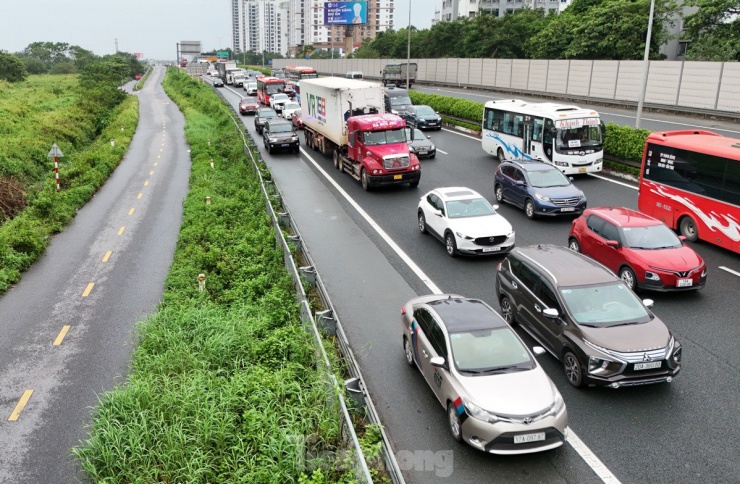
column 538, row 188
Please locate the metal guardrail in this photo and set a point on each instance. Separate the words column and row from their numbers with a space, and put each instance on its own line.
column 326, row 320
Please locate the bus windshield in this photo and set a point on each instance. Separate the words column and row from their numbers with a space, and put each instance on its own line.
column 581, row 137
column 273, row 88
column 392, row 136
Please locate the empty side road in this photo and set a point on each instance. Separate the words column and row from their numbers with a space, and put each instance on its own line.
column 67, row 329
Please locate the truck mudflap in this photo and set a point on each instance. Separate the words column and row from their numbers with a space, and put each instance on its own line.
column 411, row 177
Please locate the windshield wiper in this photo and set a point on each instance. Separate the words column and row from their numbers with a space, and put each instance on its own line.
column 590, row 325
column 504, row 368
column 628, row 323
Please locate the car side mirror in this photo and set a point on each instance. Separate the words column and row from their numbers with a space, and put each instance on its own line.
column 648, row 303
column 438, row 213
column 570, row 178
column 613, row 244
column 439, row 362
column 682, row 238
column 538, row 350
column 551, row 313
column 520, row 183
column 429, row 137
column 495, row 207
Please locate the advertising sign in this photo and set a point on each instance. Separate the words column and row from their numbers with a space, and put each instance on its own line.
column 139, row 55
column 345, row 13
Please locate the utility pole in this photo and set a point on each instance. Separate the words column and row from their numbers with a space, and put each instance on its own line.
column 408, row 50
column 116, row 46
column 646, row 66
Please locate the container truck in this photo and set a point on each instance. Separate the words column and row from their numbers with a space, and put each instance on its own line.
column 345, row 117
column 395, row 74
column 221, row 68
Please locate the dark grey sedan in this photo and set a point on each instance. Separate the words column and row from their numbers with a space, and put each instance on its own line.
column 422, row 117
column 420, row 144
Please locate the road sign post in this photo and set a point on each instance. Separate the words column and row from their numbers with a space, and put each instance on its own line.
column 56, row 153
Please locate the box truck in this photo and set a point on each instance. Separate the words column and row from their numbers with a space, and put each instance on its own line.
column 346, row 117
column 395, row 74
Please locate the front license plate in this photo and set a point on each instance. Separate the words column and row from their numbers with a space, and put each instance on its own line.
column 568, row 209
column 648, row 366
column 581, row 170
column 397, row 177
column 523, row 439
column 684, row 283
column 285, row 144
column 421, row 152
column 491, row 249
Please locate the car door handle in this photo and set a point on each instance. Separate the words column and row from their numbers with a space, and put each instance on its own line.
column 425, row 354
column 537, row 308
column 514, row 285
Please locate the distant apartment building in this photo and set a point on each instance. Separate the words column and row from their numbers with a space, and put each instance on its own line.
column 259, row 25
column 455, row 9
column 306, row 25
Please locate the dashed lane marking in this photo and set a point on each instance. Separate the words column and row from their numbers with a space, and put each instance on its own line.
column 20, row 406
column 107, row 256
column 139, row 195
column 120, row 231
column 61, row 335
column 88, row 289
column 131, row 212
column 727, row 269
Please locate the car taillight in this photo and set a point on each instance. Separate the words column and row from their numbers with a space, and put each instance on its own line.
column 499, row 266
column 403, row 311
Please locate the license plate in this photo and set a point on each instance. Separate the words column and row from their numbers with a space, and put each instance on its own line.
column 285, row 144
column 491, row 249
column 421, row 152
column 684, row 283
column 648, row 366
column 568, row 209
column 581, row 170
column 523, row 439
column 397, row 177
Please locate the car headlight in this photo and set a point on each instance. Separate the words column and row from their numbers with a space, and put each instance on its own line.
column 478, row 413
column 603, row 367
column 412, row 149
column 559, row 403
column 652, row 276
column 677, row 356
column 704, row 272
column 294, row 137
column 463, row 236
column 393, row 111
column 542, row 197
column 432, row 148
column 561, row 163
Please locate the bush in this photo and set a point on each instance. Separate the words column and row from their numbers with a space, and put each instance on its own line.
column 460, row 108
column 625, row 142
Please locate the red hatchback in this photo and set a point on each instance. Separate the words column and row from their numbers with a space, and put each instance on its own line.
column 640, row 249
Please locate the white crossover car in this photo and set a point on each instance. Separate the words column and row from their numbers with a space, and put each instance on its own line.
column 464, row 221
column 277, row 101
column 290, row 108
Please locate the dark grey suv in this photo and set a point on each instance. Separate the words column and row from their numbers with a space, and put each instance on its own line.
column 586, row 317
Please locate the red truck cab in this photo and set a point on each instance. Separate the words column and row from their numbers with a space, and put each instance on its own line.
column 378, row 152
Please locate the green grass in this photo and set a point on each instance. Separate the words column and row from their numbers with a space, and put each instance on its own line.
column 224, row 386
column 142, row 81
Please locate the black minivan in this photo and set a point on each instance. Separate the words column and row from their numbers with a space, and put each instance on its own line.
column 397, row 100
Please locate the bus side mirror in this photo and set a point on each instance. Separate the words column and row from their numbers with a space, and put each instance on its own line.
column 602, row 127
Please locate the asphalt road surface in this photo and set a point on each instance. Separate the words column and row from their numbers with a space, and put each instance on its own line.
column 373, row 259
column 68, row 326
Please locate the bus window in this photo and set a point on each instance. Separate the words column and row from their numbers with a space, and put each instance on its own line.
column 549, row 125
column 537, row 129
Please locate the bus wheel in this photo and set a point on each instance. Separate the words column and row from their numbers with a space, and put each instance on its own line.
column 500, row 155
column 688, row 229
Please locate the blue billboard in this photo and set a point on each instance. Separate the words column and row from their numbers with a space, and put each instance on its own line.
column 345, row 13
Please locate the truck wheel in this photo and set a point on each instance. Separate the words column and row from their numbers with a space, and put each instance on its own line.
column 500, row 155
column 364, row 180
column 687, row 227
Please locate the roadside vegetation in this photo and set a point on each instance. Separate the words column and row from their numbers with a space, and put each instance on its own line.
column 224, row 385
column 142, row 81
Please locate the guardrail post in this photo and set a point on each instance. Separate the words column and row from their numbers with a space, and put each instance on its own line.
column 309, row 273
column 296, row 240
column 284, row 219
column 326, row 322
column 355, row 392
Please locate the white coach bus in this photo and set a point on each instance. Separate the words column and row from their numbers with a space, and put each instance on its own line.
column 563, row 135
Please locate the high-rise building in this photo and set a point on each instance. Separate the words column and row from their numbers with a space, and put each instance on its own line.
column 306, row 25
column 455, row 9
column 259, row 25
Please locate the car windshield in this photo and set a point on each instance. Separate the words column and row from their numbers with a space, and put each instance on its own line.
column 547, row 178
column 281, row 128
column 400, row 101
column 280, row 97
column 267, row 113
column 489, row 351
column 650, row 237
column 425, row 111
column 611, row 304
column 292, row 105
column 385, row 137
column 472, row 207
column 246, row 100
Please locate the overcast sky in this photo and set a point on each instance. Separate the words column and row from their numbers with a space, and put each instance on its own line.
column 152, row 27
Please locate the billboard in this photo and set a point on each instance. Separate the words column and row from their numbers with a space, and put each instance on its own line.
column 139, row 55
column 190, row 47
column 345, row 13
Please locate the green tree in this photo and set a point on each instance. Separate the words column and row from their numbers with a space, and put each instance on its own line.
column 12, row 68
column 714, row 30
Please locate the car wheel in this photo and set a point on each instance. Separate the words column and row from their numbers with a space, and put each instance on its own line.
column 572, row 368
column 453, row 420
column 269, row 148
column 408, row 351
column 574, row 245
column 628, row 276
column 688, row 229
column 422, row 223
column 364, row 180
column 500, row 155
column 529, row 209
column 507, row 311
column 450, row 244
column 499, row 191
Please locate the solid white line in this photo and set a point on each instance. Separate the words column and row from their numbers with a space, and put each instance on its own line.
column 730, row 270
column 614, row 181
column 442, row 151
column 461, row 134
column 589, row 457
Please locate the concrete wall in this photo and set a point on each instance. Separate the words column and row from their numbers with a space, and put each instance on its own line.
column 700, row 85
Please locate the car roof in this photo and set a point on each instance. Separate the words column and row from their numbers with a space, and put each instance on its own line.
column 395, row 91
column 532, row 165
column 625, row 217
column 457, row 193
column 278, row 122
column 564, row 266
column 463, row 314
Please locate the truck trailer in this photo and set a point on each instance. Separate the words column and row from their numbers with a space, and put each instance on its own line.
column 222, row 67
column 346, row 117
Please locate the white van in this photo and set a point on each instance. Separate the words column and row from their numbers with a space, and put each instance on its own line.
column 354, row 75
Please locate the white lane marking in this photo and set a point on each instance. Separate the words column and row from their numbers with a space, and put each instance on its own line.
column 442, row 151
column 460, row 133
column 586, row 454
column 633, row 187
column 730, row 270
column 604, row 112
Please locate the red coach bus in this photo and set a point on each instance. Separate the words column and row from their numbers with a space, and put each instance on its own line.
column 267, row 86
column 296, row 73
column 691, row 181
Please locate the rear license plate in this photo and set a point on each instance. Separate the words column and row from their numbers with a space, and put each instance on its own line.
column 648, row 366
column 491, row 249
column 684, row 283
column 581, row 170
column 568, row 209
column 397, row 177
column 523, row 439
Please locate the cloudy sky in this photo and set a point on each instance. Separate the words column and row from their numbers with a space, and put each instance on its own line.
column 152, row 27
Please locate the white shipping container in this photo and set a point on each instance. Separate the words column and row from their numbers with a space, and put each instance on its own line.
column 325, row 104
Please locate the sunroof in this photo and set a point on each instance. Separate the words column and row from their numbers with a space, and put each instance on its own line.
column 459, row 194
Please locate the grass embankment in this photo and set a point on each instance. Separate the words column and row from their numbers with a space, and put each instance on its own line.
column 139, row 85
column 224, row 385
column 621, row 142
column 35, row 114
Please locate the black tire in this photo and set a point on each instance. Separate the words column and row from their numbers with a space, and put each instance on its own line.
column 529, row 209
column 499, row 192
column 628, row 277
column 574, row 245
column 687, row 228
column 450, row 244
column 453, row 422
column 500, row 155
column 573, row 369
column 408, row 351
column 508, row 312
column 422, row 222
column 269, row 148
column 364, row 180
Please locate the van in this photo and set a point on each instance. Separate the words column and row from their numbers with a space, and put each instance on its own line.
column 354, row 75
column 397, row 100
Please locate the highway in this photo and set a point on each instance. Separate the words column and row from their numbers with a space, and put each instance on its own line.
column 372, row 258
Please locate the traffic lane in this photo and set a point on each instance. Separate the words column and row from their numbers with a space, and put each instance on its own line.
column 626, row 117
column 466, row 277
column 404, row 401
